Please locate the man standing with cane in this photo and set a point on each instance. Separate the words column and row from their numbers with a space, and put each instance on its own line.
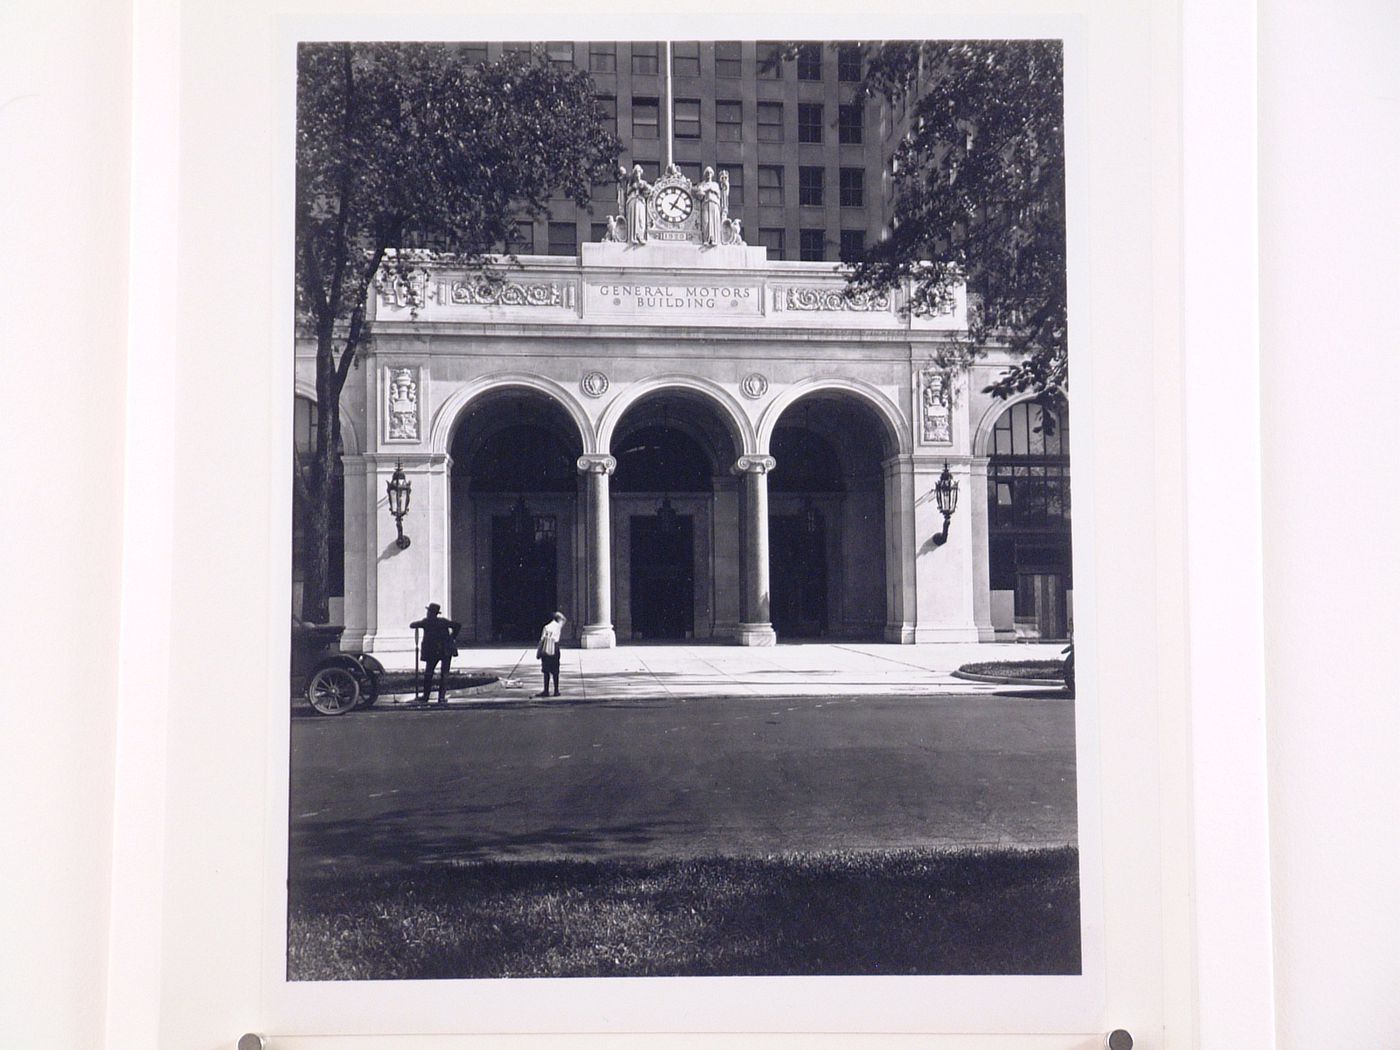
column 439, row 646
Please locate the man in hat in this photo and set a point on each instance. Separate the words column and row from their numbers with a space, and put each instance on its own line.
column 548, row 652
column 439, row 646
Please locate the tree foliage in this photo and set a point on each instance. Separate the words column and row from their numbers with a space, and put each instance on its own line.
column 412, row 144
column 979, row 195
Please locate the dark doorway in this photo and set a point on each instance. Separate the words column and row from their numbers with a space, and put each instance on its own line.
column 663, row 576
column 524, row 574
column 797, row 556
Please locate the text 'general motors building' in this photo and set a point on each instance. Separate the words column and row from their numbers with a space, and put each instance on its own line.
column 670, row 436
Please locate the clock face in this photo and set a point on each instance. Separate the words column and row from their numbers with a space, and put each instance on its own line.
column 673, row 205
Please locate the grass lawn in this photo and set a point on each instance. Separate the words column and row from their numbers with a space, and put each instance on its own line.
column 903, row 911
column 1054, row 669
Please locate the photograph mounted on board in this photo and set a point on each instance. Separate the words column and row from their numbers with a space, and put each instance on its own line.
column 681, row 551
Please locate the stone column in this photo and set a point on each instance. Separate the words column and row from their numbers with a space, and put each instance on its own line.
column 976, row 503
column 756, row 627
column 598, row 630
column 900, row 577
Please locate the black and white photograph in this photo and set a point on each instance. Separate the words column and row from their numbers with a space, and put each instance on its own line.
column 682, row 564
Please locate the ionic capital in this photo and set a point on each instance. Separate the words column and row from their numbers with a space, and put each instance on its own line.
column 754, row 464
column 594, row 463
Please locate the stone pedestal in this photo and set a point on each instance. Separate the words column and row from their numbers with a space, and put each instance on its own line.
column 756, row 627
column 598, row 631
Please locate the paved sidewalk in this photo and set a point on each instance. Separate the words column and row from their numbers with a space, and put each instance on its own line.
column 692, row 671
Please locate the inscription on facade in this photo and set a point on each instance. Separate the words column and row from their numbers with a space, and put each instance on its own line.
column 679, row 298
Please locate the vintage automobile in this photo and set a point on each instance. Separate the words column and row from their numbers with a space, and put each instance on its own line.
column 334, row 682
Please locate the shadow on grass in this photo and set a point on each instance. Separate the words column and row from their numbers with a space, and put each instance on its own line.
column 840, row 912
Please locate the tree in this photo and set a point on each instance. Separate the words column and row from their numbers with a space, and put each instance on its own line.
column 979, row 196
column 402, row 144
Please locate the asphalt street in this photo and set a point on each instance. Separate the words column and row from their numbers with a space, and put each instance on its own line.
column 389, row 790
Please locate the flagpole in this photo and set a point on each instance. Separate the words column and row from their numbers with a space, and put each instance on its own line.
column 670, row 108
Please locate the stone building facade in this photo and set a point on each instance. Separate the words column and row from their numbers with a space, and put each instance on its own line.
column 673, row 441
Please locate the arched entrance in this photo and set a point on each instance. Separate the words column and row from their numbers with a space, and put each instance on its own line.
column 826, row 521
column 515, row 502
column 1028, row 521
column 675, row 520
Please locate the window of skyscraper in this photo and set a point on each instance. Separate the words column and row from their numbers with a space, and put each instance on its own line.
column 563, row 238
column 609, row 106
column 811, row 186
column 852, row 187
column 645, row 118
column 560, row 53
column 775, row 241
column 602, row 58
column 597, row 231
column 850, row 121
column 685, row 59
column 690, row 170
column 770, row 122
column 809, row 62
column 474, row 53
column 651, row 169
column 522, row 241
column 728, row 59
column 516, row 47
column 847, row 63
column 770, row 184
column 809, row 122
column 729, row 121
column 645, row 60
column 852, row 243
column 687, row 118
column 736, row 182
column 812, row 246
column 769, row 62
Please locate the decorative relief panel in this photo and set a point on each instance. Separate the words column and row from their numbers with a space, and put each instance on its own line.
column 401, row 404
column 594, row 384
column 754, row 385
column 805, row 297
column 478, row 292
column 935, row 407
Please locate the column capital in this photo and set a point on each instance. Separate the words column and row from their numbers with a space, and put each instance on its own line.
column 754, row 464
column 594, row 463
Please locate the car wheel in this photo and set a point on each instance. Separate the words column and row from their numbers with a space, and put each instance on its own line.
column 333, row 691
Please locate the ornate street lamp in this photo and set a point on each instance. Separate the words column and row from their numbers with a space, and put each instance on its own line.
column 400, row 491
column 945, row 490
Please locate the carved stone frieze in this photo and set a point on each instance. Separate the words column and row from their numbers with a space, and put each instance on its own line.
column 813, row 298
column 480, row 292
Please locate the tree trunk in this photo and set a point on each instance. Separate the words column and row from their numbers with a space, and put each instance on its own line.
column 315, row 599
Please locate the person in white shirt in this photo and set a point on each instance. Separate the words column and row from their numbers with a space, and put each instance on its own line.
column 548, row 652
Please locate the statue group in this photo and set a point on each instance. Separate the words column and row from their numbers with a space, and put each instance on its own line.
column 711, row 204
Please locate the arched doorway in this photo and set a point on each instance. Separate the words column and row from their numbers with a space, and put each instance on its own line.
column 1028, row 521
column 675, row 520
column 826, row 521
column 515, row 500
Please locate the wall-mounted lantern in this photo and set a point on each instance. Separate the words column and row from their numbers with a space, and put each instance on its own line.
column 945, row 490
column 400, row 491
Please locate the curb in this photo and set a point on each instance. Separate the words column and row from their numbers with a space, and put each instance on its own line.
column 997, row 679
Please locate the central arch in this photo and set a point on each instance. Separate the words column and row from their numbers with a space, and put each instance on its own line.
column 674, row 511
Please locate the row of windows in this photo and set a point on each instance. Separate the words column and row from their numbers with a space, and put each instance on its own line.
column 729, row 120
column 812, row 184
column 686, row 59
column 812, row 244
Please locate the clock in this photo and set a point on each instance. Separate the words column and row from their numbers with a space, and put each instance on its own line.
column 674, row 205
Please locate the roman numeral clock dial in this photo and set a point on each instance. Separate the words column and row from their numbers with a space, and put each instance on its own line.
column 673, row 205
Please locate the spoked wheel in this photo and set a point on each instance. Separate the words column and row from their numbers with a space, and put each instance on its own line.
column 333, row 691
column 369, row 685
